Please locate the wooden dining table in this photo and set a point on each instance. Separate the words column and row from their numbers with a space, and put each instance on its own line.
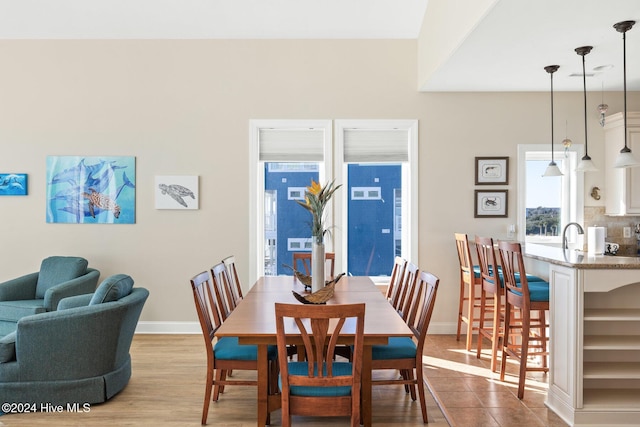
column 253, row 322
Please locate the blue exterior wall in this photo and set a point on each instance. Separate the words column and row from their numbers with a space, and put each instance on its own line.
column 372, row 251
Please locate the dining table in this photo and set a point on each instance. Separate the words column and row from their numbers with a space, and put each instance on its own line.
column 253, row 322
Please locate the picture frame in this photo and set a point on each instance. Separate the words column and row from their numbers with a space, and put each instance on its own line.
column 177, row 192
column 491, row 203
column 13, row 184
column 492, row 170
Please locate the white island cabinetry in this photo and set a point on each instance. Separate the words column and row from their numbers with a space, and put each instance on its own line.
column 594, row 377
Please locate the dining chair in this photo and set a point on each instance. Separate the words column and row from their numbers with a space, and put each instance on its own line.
column 226, row 354
column 230, row 264
column 470, row 281
column 525, row 337
column 397, row 275
column 223, row 291
column 320, row 385
column 304, row 259
column 405, row 353
column 406, row 290
column 491, row 288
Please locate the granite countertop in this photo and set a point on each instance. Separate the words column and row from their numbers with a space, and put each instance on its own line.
column 579, row 259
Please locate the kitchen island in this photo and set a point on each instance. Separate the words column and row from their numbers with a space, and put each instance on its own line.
column 594, row 318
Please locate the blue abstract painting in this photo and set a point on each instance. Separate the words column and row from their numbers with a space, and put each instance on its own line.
column 13, row 184
column 91, row 190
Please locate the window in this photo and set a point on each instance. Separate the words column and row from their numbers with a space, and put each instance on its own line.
column 370, row 221
column 376, row 160
column 547, row 204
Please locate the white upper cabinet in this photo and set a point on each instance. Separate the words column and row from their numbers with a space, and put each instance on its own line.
column 622, row 191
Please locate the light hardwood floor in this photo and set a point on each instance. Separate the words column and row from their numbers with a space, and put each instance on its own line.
column 167, row 388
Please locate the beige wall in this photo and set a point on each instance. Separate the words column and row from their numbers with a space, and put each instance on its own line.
column 183, row 108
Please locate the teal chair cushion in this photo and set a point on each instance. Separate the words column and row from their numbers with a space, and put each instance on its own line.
column 59, row 269
column 15, row 310
column 340, row 369
column 530, row 277
column 227, row 348
column 398, row 348
column 538, row 291
column 112, row 289
column 8, row 347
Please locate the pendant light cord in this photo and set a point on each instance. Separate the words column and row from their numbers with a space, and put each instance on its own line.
column 552, row 161
column 624, row 82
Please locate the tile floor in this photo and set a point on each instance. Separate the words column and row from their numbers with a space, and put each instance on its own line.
column 470, row 395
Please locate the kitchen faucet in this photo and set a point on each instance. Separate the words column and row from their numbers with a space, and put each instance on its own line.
column 565, row 244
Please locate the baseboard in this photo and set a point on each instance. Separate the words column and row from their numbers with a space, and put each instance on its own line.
column 168, row 328
column 435, row 328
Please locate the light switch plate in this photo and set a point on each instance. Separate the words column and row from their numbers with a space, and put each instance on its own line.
column 626, row 232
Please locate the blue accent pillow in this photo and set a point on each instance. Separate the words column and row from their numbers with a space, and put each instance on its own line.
column 112, row 289
column 8, row 347
column 59, row 269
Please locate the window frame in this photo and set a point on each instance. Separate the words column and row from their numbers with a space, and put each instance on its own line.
column 573, row 182
column 256, row 179
column 409, row 175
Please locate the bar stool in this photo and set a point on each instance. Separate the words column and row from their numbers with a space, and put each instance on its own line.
column 491, row 287
column 520, row 332
column 470, row 281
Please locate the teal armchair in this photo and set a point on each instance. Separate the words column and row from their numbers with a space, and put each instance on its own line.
column 76, row 354
column 59, row 277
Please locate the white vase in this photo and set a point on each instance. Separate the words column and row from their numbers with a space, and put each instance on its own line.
column 317, row 266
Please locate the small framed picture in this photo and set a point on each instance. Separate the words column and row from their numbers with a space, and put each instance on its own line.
column 177, row 192
column 491, row 204
column 492, row 170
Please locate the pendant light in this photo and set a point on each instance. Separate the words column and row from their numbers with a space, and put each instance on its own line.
column 625, row 159
column 586, row 164
column 552, row 169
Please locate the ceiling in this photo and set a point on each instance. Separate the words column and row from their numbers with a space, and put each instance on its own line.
column 505, row 51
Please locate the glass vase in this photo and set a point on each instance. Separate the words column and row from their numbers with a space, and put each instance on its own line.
column 317, row 266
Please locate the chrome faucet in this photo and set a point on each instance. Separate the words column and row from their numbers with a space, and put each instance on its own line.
column 565, row 244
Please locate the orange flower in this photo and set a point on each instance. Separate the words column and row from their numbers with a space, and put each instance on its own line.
column 315, row 188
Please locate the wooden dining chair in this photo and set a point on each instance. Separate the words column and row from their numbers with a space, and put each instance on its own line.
column 320, row 385
column 223, row 291
column 230, row 264
column 525, row 336
column 469, row 299
column 405, row 353
column 491, row 294
column 226, row 354
column 406, row 291
column 397, row 275
column 304, row 259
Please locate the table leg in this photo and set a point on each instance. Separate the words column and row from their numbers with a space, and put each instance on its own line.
column 263, row 385
column 366, row 389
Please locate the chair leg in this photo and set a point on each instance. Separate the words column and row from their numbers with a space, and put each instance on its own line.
column 460, row 307
column 217, row 388
column 421, row 393
column 471, row 302
column 207, row 396
column 524, row 352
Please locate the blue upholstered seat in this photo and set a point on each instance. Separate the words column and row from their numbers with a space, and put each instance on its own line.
column 530, row 277
column 397, row 348
column 227, row 348
column 301, row 369
column 538, row 291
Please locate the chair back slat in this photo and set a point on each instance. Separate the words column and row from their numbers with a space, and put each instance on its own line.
column 304, row 259
column 408, row 289
column 223, row 292
column 488, row 265
column 516, row 294
column 230, row 264
column 426, row 289
column 208, row 315
column 397, row 275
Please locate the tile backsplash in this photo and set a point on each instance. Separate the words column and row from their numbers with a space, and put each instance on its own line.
column 594, row 216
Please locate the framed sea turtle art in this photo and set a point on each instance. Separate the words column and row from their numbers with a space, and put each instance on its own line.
column 91, row 189
column 176, row 192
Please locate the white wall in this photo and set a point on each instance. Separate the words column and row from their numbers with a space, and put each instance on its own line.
column 183, row 108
